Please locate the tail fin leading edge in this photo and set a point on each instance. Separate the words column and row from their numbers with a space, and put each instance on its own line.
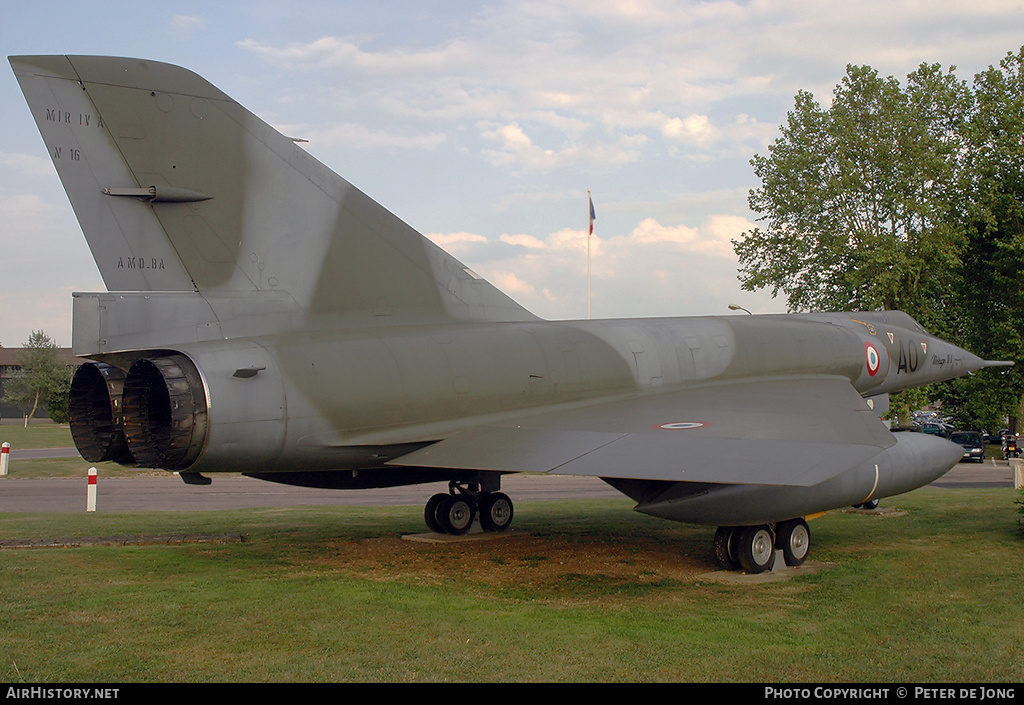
column 179, row 188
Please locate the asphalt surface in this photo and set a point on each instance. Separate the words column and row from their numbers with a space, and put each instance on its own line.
column 169, row 493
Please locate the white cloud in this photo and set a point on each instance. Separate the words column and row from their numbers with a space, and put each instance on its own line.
column 695, row 128
column 569, row 84
column 187, row 23
column 527, row 241
column 27, row 164
column 512, row 284
column 363, row 137
column 452, row 239
column 654, row 269
column 347, row 53
column 516, row 149
column 44, row 256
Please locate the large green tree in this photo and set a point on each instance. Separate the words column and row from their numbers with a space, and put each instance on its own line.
column 990, row 293
column 43, row 378
column 902, row 197
column 853, row 197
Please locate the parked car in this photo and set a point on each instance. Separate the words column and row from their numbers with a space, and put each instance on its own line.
column 974, row 448
column 937, row 429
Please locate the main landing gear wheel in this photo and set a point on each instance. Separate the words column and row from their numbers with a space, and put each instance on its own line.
column 755, row 548
column 794, row 538
column 724, row 552
column 752, row 548
column 454, row 513
column 430, row 513
column 495, row 511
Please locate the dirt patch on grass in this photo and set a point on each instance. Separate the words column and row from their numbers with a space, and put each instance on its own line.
column 520, row 561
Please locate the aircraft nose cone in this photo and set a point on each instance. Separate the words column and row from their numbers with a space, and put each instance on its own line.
column 972, row 363
column 967, row 361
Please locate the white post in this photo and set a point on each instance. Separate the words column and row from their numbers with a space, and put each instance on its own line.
column 5, row 457
column 91, row 498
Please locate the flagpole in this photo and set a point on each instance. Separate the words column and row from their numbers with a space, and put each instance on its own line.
column 590, row 216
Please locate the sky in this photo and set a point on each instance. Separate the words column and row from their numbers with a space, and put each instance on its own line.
column 484, row 124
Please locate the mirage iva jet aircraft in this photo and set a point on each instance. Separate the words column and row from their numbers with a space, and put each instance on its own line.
column 263, row 316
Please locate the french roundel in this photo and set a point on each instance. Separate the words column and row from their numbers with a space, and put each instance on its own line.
column 872, row 358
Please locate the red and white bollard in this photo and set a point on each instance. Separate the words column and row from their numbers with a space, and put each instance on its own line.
column 5, row 457
column 91, row 499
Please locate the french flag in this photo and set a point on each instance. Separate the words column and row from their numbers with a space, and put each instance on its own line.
column 593, row 217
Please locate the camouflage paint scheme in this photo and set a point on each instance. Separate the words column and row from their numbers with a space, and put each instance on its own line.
column 264, row 316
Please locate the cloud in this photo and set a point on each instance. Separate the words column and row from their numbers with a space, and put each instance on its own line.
column 516, row 149
column 457, row 244
column 363, row 137
column 654, row 269
column 527, row 241
column 713, row 238
column 695, row 128
column 45, row 257
column 347, row 54
column 511, row 284
column 537, row 87
column 27, row 164
column 541, row 95
column 187, row 23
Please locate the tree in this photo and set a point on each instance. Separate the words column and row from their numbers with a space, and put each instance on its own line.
column 43, row 378
column 990, row 297
column 903, row 198
column 854, row 197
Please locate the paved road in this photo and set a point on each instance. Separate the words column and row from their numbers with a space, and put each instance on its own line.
column 169, row 493
column 991, row 473
column 37, row 453
column 236, row 492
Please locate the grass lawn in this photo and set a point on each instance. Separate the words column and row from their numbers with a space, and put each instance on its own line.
column 38, row 434
column 582, row 591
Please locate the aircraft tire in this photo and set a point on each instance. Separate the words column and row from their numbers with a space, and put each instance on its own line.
column 755, row 548
column 430, row 513
column 495, row 511
column 455, row 514
column 794, row 538
column 725, row 553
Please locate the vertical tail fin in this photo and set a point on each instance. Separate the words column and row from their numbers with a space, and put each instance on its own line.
column 179, row 188
column 129, row 247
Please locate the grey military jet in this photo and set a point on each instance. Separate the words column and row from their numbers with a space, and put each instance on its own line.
column 263, row 316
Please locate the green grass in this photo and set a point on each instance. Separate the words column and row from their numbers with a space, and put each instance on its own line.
column 331, row 594
column 36, row 435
